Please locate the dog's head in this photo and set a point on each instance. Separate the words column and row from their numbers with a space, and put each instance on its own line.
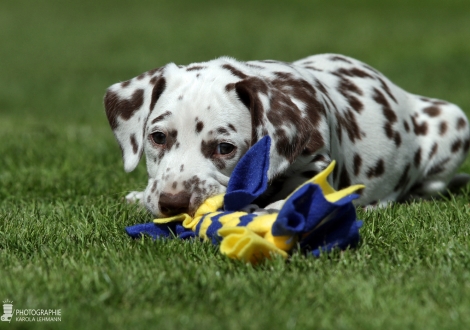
column 194, row 123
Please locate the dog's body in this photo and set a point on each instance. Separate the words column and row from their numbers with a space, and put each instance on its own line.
column 194, row 123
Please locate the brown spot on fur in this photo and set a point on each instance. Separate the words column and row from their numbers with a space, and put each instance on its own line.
column 417, row 157
column 283, row 112
column 315, row 143
column 349, row 123
column 387, row 90
column 161, row 117
column 353, row 72
column 157, row 92
column 456, row 146
column 386, row 109
column 380, row 98
column 442, row 128
column 461, row 123
column 346, row 88
column 357, row 164
column 283, row 75
column 389, row 130
column 171, row 139
column 125, row 108
column 255, row 66
column 419, row 129
column 321, row 87
column 313, row 68
column 199, row 126
column 222, row 131
column 154, row 186
column 182, row 168
column 397, row 139
column 247, row 91
column 126, row 83
column 232, row 127
column 207, row 148
column 389, row 115
column 174, row 185
column 270, row 61
column 405, row 124
column 340, row 58
column 432, row 111
column 195, row 68
column 234, row 71
column 135, row 145
column 433, row 150
column 403, row 181
column 228, row 88
column 300, row 90
column 438, row 168
column 377, row 170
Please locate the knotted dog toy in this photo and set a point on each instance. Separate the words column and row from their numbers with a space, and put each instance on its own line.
column 315, row 217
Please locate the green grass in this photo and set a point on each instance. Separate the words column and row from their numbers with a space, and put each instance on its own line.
column 62, row 218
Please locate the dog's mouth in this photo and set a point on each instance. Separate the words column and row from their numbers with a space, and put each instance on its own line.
column 166, row 213
column 187, row 201
column 173, row 204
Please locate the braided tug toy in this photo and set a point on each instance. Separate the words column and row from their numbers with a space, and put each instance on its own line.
column 315, row 217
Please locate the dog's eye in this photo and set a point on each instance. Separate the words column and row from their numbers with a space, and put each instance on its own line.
column 224, row 148
column 159, row 138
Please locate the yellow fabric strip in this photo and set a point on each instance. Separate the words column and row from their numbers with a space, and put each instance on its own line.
column 331, row 195
column 206, row 222
column 176, row 218
column 243, row 244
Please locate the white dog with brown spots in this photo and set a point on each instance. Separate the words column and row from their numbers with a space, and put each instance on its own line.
column 193, row 123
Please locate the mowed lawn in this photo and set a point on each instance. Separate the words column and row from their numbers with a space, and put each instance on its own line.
column 62, row 183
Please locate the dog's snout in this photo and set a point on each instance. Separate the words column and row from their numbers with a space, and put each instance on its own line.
column 172, row 204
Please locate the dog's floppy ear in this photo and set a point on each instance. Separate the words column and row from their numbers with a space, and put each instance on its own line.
column 128, row 105
column 274, row 108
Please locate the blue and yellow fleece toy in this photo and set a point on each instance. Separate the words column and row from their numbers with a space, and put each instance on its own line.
column 314, row 217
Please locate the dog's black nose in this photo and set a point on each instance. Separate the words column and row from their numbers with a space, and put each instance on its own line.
column 172, row 204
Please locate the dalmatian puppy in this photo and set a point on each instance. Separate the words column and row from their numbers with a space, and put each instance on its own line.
column 194, row 123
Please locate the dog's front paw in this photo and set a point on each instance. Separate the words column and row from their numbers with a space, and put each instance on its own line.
column 276, row 205
column 135, row 197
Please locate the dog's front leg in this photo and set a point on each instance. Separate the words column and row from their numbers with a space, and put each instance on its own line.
column 135, row 197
